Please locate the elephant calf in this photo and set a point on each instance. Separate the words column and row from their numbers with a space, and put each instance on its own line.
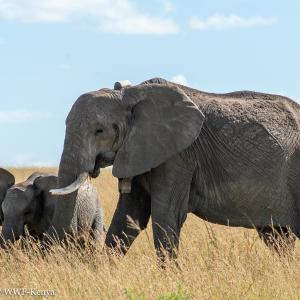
column 30, row 203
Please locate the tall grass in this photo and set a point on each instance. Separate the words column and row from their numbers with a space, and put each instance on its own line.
column 215, row 262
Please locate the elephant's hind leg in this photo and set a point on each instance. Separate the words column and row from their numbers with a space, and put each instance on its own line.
column 280, row 239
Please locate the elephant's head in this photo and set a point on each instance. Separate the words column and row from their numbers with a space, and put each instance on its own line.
column 6, row 181
column 134, row 129
column 25, row 204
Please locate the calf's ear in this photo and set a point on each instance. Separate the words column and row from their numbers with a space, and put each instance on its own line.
column 46, row 183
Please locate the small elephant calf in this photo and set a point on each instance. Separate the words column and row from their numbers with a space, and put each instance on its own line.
column 30, row 203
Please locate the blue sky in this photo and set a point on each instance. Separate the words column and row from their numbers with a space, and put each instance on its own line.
column 51, row 51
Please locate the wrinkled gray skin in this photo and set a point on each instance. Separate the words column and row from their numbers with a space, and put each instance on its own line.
column 228, row 158
column 6, row 181
column 29, row 203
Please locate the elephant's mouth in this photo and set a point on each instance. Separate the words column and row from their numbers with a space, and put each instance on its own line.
column 100, row 162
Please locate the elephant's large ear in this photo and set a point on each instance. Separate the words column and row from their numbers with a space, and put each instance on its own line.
column 164, row 122
column 6, row 178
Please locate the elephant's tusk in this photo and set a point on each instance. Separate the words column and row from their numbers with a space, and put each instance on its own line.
column 72, row 187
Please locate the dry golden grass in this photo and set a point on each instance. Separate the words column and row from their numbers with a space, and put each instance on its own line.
column 216, row 262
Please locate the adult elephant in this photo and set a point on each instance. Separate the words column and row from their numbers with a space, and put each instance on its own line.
column 228, row 158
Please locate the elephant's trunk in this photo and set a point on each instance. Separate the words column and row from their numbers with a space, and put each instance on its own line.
column 74, row 162
column 12, row 229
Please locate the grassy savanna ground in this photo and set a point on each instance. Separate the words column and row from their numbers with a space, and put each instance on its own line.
column 216, row 262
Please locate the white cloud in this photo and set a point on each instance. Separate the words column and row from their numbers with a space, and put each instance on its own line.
column 116, row 16
column 180, row 79
column 21, row 116
column 228, row 22
column 140, row 25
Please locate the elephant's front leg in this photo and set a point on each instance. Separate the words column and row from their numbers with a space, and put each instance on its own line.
column 170, row 187
column 132, row 208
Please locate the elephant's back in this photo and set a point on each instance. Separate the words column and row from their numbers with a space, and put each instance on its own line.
column 275, row 120
column 201, row 96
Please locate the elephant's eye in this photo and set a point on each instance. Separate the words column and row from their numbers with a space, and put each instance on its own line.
column 99, row 131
